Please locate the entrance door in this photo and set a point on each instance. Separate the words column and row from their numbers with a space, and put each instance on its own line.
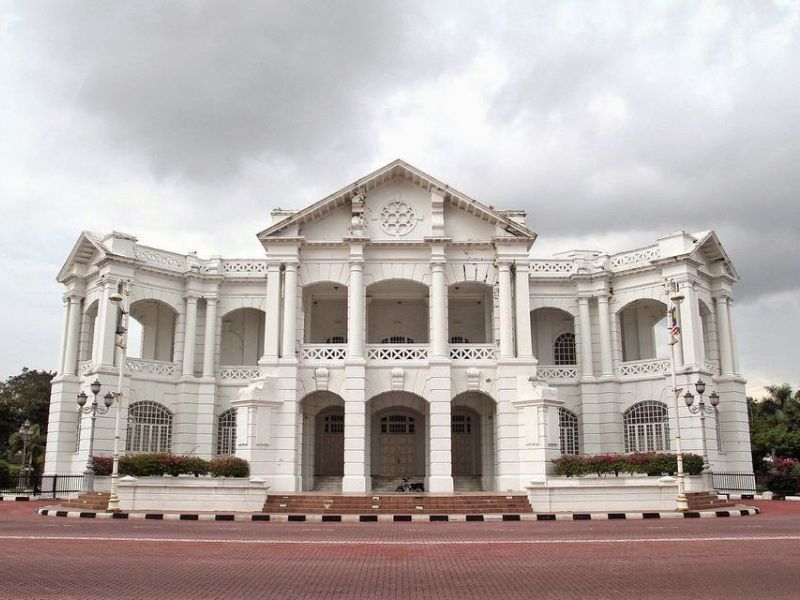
column 398, row 441
column 330, row 443
column 464, row 445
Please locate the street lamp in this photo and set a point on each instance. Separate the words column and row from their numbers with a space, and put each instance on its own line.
column 688, row 397
column 25, row 432
column 93, row 409
column 675, row 298
column 120, row 299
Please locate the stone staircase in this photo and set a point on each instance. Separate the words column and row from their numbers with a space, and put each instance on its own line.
column 408, row 504
column 467, row 484
column 328, row 483
column 94, row 501
column 381, row 484
column 705, row 501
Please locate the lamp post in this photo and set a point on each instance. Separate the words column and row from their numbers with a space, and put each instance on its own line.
column 675, row 298
column 25, row 432
column 93, row 409
column 688, row 397
column 119, row 299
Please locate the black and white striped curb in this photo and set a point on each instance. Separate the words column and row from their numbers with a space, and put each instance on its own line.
column 316, row 518
column 15, row 498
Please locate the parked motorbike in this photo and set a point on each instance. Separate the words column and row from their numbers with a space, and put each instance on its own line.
column 407, row 486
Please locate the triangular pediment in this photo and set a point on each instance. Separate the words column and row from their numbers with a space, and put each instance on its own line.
column 398, row 183
column 86, row 251
column 709, row 250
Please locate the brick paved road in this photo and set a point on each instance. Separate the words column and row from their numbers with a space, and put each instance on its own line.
column 752, row 557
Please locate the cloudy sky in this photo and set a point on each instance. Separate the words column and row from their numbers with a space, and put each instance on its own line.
column 611, row 123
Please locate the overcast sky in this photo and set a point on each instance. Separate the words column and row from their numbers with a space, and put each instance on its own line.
column 611, row 123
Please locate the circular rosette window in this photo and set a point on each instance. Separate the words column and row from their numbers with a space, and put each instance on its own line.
column 398, row 218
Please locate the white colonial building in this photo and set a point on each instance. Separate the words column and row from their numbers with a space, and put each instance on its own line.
column 398, row 327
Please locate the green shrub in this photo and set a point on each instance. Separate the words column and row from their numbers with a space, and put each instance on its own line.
column 692, row 464
column 228, row 466
column 194, row 465
column 638, row 462
column 102, row 465
column 570, row 465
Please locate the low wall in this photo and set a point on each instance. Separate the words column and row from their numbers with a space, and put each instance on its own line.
column 589, row 494
column 192, row 494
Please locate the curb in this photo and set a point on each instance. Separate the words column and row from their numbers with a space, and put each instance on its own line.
column 15, row 498
column 317, row 518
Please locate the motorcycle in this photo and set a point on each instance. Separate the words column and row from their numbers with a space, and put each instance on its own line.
column 407, row 486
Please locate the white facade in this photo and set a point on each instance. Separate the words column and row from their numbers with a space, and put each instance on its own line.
column 399, row 327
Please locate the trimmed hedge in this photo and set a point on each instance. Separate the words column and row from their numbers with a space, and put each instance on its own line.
column 578, row 465
column 159, row 464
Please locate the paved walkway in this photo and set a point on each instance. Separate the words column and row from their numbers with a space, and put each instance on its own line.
column 698, row 558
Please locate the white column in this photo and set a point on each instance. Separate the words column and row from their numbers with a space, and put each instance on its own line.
column 438, row 312
column 62, row 348
column 506, row 315
column 732, row 330
column 355, row 311
column 604, row 325
column 190, row 338
column 691, row 328
column 523, row 306
column 106, row 327
column 289, row 311
column 210, row 341
column 273, row 310
column 724, row 332
column 587, row 369
column 73, row 336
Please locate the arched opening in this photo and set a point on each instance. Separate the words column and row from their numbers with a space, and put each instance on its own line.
column 242, row 337
column 151, row 331
column 469, row 313
column 398, row 439
column 646, row 427
column 397, row 312
column 322, row 442
column 706, row 319
column 643, row 329
column 568, row 432
column 325, row 313
column 472, row 435
column 226, row 433
column 149, row 427
column 88, row 324
column 553, row 336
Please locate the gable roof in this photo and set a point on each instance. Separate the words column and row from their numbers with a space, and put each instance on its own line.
column 82, row 252
column 398, row 168
column 707, row 243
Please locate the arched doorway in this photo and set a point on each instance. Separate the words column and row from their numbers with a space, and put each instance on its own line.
column 473, row 441
column 322, row 442
column 398, row 439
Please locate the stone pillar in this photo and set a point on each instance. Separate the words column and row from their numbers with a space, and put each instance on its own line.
column 523, row 308
column 506, row 315
column 587, row 369
column 440, row 474
column 289, row 312
column 190, row 338
column 438, row 312
column 732, row 332
column 724, row 332
column 210, row 341
column 604, row 325
column 691, row 328
column 62, row 349
column 106, row 327
column 273, row 310
column 70, row 366
column 355, row 311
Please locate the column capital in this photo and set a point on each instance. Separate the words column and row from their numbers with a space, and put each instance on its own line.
column 356, row 264
column 211, row 299
column 291, row 265
column 191, row 298
column 583, row 298
column 603, row 297
column 503, row 264
column 73, row 296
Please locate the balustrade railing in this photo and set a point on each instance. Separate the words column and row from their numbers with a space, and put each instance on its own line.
column 160, row 258
column 158, row 368
column 551, row 266
column 473, row 352
column 397, row 352
column 244, row 267
column 635, row 258
column 237, row 373
column 557, row 372
column 322, row 352
column 640, row 368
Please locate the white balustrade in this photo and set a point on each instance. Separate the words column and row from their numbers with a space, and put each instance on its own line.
column 557, row 372
column 244, row 268
column 322, row 352
column 237, row 373
column 396, row 352
column 635, row 258
column 160, row 258
column 644, row 368
column 551, row 267
column 158, row 368
column 473, row 352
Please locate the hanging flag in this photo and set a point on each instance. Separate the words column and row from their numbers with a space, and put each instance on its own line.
column 674, row 329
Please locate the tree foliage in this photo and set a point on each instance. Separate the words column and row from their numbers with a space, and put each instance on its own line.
column 23, row 396
column 775, row 424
